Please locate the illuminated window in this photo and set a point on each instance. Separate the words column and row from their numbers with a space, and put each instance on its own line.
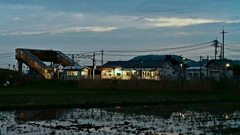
column 143, row 74
column 128, row 73
column 72, row 73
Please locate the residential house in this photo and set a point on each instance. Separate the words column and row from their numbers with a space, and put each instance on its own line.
column 154, row 70
column 176, row 60
column 112, row 72
column 196, row 72
column 179, row 62
column 220, row 68
column 74, row 73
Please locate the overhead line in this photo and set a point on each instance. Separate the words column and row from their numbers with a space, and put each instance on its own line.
column 197, row 48
column 232, row 49
column 108, row 54
column 153, row 50
column 6, row 53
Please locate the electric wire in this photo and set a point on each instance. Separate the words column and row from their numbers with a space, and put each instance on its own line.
column 191, row 49
column 153, row 50
column 187, row 49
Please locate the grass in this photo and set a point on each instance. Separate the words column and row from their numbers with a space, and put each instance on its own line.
column 86, row 93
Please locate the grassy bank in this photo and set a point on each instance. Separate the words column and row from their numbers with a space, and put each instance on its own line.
column 59, row 93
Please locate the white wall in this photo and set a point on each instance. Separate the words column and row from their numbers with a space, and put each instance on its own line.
column 167, row 71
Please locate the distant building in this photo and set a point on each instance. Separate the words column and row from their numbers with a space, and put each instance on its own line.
column 154, row 70
column 220, row 68
column 74, row 73
column 196, row 73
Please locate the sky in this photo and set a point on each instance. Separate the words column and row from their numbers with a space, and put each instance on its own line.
column 123, row 29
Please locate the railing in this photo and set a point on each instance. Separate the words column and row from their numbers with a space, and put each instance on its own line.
column 35, row 59
column 35, row 63
column 32, row 61
column 67, row 58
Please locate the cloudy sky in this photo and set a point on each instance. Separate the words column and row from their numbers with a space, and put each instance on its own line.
column 122, row 28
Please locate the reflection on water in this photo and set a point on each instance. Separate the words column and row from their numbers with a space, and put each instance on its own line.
column 100, row 121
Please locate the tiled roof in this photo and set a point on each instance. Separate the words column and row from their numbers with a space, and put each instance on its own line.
column 73, row 67
column 220, row 62
column 152, row 57
column 136, row 64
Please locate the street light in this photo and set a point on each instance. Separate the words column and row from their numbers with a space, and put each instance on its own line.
column 227, row 65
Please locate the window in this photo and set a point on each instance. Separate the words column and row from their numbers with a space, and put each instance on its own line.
column 143, row 73
column 118, row 74
column 128, row 73
column 72, row 73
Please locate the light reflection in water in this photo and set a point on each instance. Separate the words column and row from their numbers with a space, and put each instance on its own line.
column 99, row 121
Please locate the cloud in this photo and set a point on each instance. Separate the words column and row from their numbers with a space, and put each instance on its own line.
column 178, row 22
column 26, row 33
column 232, row 21
column 82, row 29
column 64, row 30
column 16, row 18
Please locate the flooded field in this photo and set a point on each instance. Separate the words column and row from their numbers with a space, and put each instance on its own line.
column 114, row 121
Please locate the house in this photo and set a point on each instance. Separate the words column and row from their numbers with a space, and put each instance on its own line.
column 74, row 73
column 154, row 70
column 220, row 68
column 112, row 72
column 176, row 60
column 196, row 72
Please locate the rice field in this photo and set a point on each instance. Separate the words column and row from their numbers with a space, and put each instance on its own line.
column 112, row 122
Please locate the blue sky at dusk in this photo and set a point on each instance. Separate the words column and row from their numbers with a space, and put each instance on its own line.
column 85, row 26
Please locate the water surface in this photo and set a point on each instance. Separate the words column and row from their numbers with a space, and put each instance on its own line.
column 116, row 121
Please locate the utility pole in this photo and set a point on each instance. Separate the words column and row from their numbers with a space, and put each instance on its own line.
column 216, row 45
column 102, row 57
column 207, row 66
column 141, row 69
column 200, row 67
column 223, row 32
column 72, row 58
column 94, row 62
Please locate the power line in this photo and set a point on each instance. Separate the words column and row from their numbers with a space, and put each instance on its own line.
column 6, row 53
column 154, row 50
column 232, row 43
column 191, row 49
column 232, row 49
column 110, row 54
